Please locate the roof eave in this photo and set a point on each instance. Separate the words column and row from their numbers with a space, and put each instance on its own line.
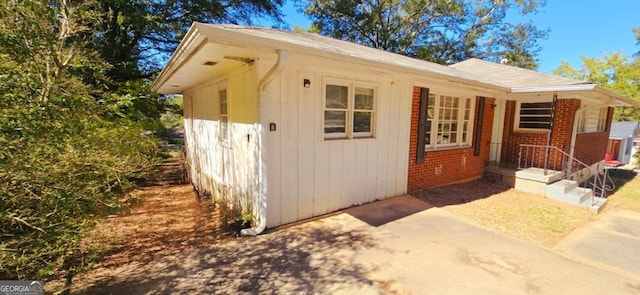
column 612, row 97
column 190, row 42
column 244, row 40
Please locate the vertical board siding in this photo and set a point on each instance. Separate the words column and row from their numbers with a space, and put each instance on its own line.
column 289, row 151
column 306, row 134
column 226, row 170
column 308, row 176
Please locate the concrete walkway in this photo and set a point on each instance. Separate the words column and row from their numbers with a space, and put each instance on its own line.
column 408, row 250
column 613, row 240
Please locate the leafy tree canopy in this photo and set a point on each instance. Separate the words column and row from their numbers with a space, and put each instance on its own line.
column 616, row 71
column 442, row 31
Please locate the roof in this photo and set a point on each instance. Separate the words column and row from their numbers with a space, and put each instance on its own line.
column 270, row 40
column 227, row 46
column 511, row 76
column 620, row 130
column 520, row 80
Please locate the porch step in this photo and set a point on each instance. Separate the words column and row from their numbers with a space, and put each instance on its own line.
column 539, row 175
column 577, row 196
column 596, row 206
column 560, row 188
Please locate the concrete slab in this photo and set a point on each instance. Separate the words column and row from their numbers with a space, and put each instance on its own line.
column 613, row 240
column 433, row 252
column 427, row 252
column 387, row 210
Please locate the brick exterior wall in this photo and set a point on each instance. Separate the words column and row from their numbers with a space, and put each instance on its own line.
column 447, row 166
column 587, row 145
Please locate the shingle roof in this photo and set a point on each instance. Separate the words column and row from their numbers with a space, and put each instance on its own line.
column 621, row 130
column 512, row 76
column 307, row 42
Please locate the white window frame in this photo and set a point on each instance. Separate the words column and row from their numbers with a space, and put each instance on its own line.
column 516, row 124
column 437, row 100
column 589, row 115
column 224, row 125
column 350, row 109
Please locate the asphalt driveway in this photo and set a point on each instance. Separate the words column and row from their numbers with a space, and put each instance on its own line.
column 372, row 249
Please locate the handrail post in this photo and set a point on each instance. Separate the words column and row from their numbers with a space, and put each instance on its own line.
column 546, row 160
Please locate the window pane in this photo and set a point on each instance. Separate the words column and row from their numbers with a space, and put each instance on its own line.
column 536, row 105
column 453, row 137
column 430, row 112
column 337, row 96
column 334, row 121
column 534, row 125
column 361, row 122
column 427, row 137
column 364, row 99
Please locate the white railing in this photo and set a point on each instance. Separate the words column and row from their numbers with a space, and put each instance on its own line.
column 595, row 177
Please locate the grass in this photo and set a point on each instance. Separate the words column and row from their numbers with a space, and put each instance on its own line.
column 627, row 195
column 526, row 216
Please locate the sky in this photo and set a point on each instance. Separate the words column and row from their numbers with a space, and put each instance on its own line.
column 591, row 28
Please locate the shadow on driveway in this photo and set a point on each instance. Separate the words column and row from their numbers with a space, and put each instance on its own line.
column 310, row 258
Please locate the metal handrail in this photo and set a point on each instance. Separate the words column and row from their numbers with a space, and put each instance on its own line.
column 600, row 184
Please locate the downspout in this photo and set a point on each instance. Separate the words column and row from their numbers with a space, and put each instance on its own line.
column 574, row 134
column 262, row 207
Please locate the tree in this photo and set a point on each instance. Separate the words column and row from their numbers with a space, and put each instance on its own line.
column 616, row 71
column 65, row 156
column 442, row 31
column 139, row 35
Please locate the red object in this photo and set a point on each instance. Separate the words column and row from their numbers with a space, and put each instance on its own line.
column 608, row 160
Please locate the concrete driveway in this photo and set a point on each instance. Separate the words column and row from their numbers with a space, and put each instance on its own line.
column 369, row 250
column 612, row 241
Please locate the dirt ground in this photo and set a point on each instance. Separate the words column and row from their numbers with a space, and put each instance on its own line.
column 169, row 220
column 172, row 220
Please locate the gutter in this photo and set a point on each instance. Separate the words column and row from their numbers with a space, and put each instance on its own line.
column 262, row 204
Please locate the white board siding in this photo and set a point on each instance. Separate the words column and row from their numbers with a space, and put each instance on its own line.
column 308, row 176
column 227, row 170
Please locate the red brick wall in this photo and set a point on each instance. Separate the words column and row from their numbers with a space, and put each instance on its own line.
column 561, row 136
column 447, row 166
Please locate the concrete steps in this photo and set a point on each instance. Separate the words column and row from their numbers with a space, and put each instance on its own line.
column 567, row 191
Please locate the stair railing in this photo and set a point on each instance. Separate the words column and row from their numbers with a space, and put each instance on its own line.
column 595, row 177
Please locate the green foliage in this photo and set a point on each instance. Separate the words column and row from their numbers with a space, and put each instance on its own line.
column 66, row 154
column 616, row 71
column 173, row 119
column 441, row 31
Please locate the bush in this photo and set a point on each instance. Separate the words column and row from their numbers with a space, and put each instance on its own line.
column 59, row 172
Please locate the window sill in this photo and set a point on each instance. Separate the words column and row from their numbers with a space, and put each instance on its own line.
column 330, row 139
column 448, row 148
column 539, row 131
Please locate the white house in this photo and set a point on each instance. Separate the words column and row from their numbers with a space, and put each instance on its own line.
column 293, row 125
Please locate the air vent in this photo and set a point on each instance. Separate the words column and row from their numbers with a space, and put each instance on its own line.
column 209, row 63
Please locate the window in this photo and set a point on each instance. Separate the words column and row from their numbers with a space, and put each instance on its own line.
column 534, row 115
column 348, row 110
column 224, row 116
column 593, row 120
column 448, row 121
